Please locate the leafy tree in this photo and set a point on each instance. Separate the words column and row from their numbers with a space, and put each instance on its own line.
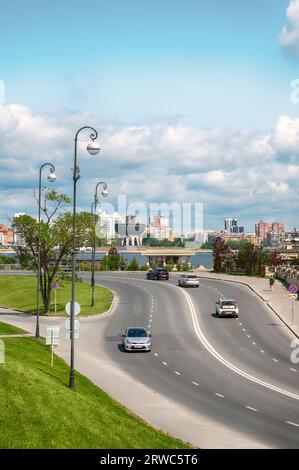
column 220, row 249
column 133, row 266
column 250, row 258
column 275, row 259
column 55, row 243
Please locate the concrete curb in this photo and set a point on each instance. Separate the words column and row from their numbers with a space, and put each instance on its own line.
column 256, row 293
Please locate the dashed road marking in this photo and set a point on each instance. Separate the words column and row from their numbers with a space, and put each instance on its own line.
column 196, row 384
column 251, row 409
column 248, row 336
column 156, row 354
column 244, row 329
column 254, row 343
column 292, row 424
column 275, row 360
column 164, row 363
column 219, row 395
column 262, row 351
column 293, row 370
column 176, row 372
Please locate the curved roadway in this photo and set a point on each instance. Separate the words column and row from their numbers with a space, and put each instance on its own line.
column 235, row 371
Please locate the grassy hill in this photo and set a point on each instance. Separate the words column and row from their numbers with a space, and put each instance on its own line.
column 38, row 410
column 19, row 292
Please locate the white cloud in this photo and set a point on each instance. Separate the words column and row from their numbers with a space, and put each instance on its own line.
column 231, row 171
column 289, row 36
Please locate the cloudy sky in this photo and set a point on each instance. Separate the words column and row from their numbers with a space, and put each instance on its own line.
column 193, row 102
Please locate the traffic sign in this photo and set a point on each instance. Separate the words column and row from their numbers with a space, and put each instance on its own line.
column 52, row 335
column 293, row 289
column 76, row 323
column 293, row 296
column 68, row 335
column 77, row 308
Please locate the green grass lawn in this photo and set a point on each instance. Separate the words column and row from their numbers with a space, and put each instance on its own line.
column 6, row 329
column 38, row 410
column 19, row 292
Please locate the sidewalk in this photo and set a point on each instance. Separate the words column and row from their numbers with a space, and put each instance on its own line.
column 278, row 300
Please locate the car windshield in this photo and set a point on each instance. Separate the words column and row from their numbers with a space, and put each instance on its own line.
column 192, row 277
column 137, row 333
column 228, row 303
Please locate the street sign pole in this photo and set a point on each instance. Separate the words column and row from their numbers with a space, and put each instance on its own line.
column 55, row 300
column 52, row 347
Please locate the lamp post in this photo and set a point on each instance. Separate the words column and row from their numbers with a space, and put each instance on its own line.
column 51, row 177
column 104, row 194
column 93, row 149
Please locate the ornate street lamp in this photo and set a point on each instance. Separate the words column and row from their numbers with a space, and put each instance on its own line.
column 104, row 194
column 93, row 149
column 52, row 178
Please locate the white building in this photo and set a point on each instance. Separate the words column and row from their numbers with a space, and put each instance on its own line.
column 159, row 227
column 106, row 224
column 17, row 239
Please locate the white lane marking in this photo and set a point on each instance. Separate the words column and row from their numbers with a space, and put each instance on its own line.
column 156, row 354
column 275, row 360
column 219, row 395
column 292, row 424
column 224, row 361
column 240, row 324
column 196, row 384
column 151, row 320
column 176, row 372
column 250, row 408
column 248, row 336
column 262, row 351
column 213, row 351
column 293, row 370
column 254, row 343
column 164, row 363
column 244, row 329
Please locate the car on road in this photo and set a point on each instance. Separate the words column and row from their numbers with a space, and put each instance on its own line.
column 136, row 339
column 227, row 308
column 158, row 274
column 188, row 280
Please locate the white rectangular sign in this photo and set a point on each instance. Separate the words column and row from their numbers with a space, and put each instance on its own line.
column 52, row 335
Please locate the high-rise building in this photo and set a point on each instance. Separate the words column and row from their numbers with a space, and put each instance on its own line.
column 159, row 228
column 18, row 240
column 266, row 231
column 107, row 224
column 231, row 226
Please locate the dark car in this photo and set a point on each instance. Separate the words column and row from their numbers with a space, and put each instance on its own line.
column 157, row 274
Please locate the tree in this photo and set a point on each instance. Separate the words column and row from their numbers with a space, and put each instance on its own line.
column 112, row 260
column 133, row 266
column 275, row 259
column 55, row 243
column 250, row 257
column 220, row 249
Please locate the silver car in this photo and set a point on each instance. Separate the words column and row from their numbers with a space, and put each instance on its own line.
column 227, row 308
column 188, row 280
column 136, row 339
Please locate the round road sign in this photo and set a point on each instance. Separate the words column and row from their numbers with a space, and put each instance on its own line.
column 293, row 288
column 76, row 323
column 77, row 308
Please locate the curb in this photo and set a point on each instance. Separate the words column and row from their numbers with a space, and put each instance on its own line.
column 258, row 295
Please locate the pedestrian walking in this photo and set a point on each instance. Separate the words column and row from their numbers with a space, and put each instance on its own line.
column 271, row 282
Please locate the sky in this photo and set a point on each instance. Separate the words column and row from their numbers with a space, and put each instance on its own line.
column 192, row 101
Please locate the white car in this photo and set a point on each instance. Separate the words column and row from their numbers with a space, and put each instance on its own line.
column 136, row 339
column 188, row 280
column 227, row 308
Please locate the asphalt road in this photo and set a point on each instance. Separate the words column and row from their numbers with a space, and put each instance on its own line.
column 235, row 371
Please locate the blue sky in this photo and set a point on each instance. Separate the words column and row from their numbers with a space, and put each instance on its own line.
column 196, row 64
column 132, row 60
